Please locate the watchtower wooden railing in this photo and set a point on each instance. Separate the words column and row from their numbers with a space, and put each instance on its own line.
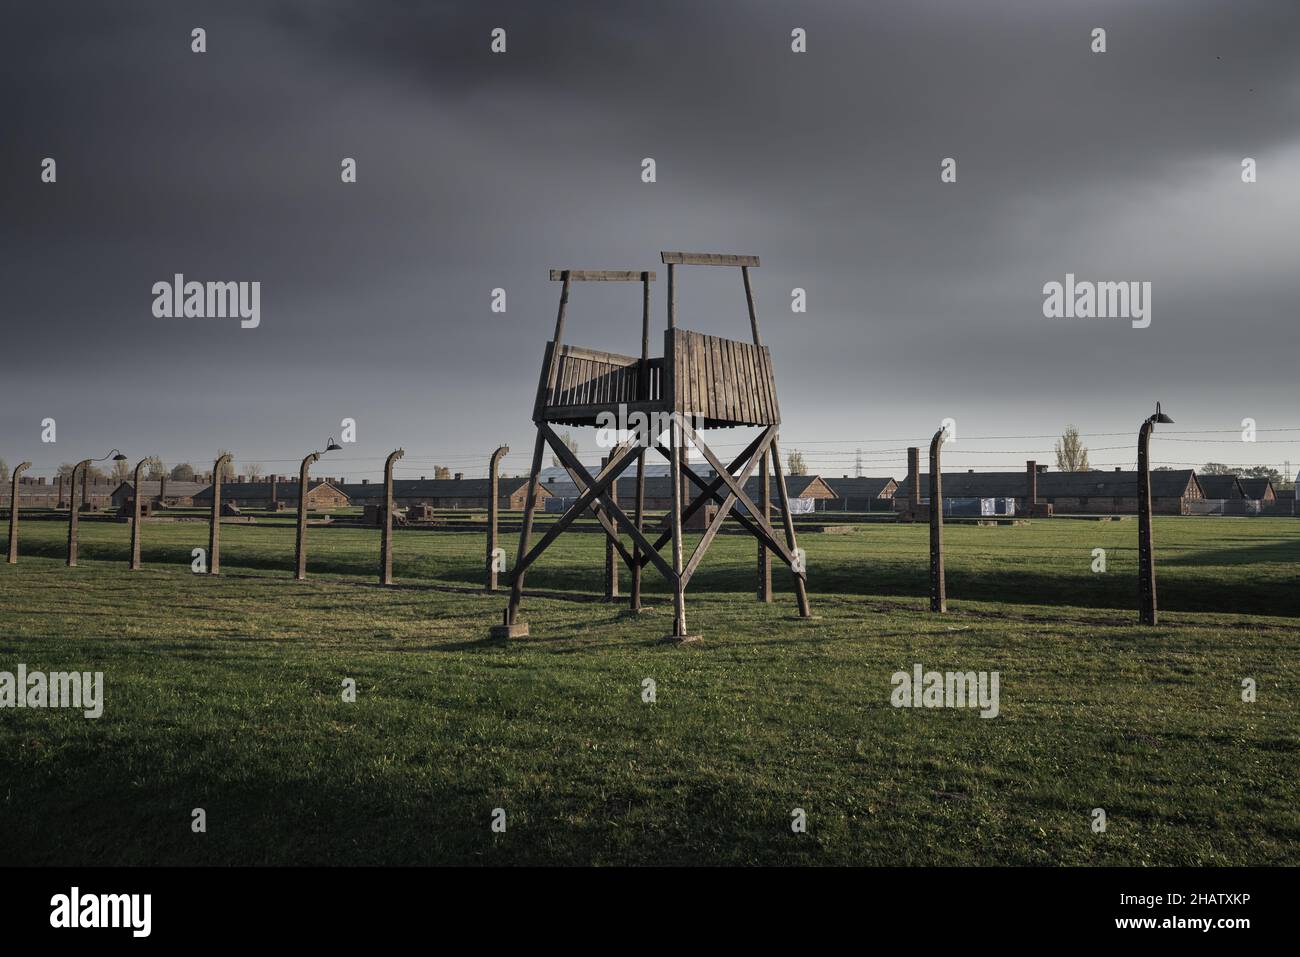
column 581, row 383
column 701, row 382
column 721, row 382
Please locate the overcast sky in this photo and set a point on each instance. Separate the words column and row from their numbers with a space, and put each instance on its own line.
column 479, row 170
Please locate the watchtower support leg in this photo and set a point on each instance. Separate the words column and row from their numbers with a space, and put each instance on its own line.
column 642, row 394
column 675, row 439
column 530, row 504
column 800, row 589
column 611, row 540
column 635, row 603
column 764, row 559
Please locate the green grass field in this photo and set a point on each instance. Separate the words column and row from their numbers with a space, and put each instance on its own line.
column 225, row 693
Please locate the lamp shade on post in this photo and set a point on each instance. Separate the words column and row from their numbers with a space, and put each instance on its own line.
column 1147, row 612
column 13, row 512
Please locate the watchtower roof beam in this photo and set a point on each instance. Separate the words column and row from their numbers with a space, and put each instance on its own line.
column 603, row 275
column 707, row 259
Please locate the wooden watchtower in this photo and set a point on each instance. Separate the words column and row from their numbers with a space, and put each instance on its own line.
column 701, row 382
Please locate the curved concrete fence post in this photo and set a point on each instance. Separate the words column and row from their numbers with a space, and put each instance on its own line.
column 494, row 464
column 214, row 522
column 938, row 589
column 1147, row 614
column 74, row 509
column 13, row 512
column 300, row 549
column 386, row 534
column 136, row 495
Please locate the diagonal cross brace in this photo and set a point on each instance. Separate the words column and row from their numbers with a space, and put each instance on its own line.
column 584, row 501
column 595, row 490
column 754, row 513
column 764, row 539
column 710, row 489
column 598, row 510
column 711, row 532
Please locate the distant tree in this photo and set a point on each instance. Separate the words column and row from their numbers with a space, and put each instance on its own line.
column 253, row 471
column 4, row 471
column 91, row 472
column 1071, row 453
column 441, row 472
column 795, row 464
column 1216, row 468
column 182, row 473
column 121, row 470
column 154, row 469
column 1262, row 471
column 568, row 440
column 227, row 470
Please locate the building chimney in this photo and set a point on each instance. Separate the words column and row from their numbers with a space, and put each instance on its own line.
column 365, row 481
column 1117, row 468
column 459, row 476
column 914, row 476
column 274, row 490
column 970, row 471
column 1031, row 483
column 162, row 487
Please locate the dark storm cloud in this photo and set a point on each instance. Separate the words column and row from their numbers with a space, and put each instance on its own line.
column 478, row 171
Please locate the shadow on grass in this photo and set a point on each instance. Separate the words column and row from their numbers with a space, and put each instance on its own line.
column 1250, row 551
column 99, row 813
column 1193, row 579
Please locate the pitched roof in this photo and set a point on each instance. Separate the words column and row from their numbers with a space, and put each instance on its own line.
column 863, row 487
column 1255, row 487
column 1095, row 483
column 798, row 486
column 1220, row 486
column 974, row 485
column 245, row 492
column 435, row 488
column 175, row 487
column 1165, row 483
column 660, row 486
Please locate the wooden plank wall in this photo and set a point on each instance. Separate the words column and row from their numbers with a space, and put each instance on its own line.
column 586, row 377
column 722, row 380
